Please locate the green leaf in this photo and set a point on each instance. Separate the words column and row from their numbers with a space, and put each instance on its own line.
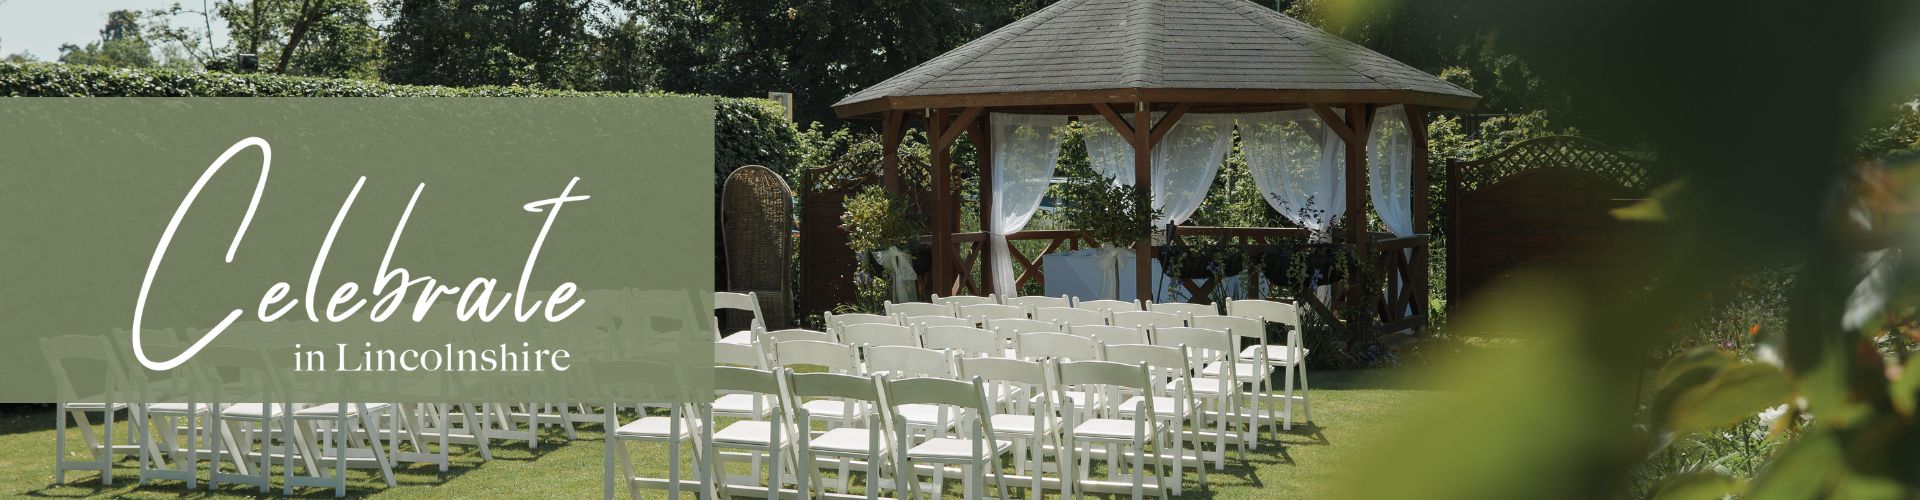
column 1734, row 394
column 1698, row 358
column 1650, row 209
column 1699, row 486
column 1804, row 470
column 1907, row 389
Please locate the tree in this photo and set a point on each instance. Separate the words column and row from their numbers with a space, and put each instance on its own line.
column 121, row 44
column 333, row 38
column 18, row 57
column 821, row 50
column 544, row 43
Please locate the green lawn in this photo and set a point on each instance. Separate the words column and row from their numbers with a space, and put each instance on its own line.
column 1350, row 409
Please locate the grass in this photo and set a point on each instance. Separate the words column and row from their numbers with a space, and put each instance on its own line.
column 1350, row 409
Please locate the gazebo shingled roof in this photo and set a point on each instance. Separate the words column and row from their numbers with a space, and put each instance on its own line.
column 1203, row 51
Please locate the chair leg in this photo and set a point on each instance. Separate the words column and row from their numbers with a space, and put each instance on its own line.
column 1306, row 392
column 60, row 443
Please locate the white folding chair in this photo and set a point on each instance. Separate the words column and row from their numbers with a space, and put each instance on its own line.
column 833, row 358
column 904, row 362
column 253, row 378
column 919, row 309
column 836, row 321
column 844, row 444
column 340, row 436
column 742, row 405
column 767, row 437
column 1291, row 357
column 103, row 393
column 680, row 426
column 1038, row 301
column 966, row 340
column 981, row 313
column 1113, row 429
column 1148, row 319
column 876, row 334
column 1184, row 308
column 792, row 334
column 966, row 300
column 1043, row 346
column 1008, row 329
column 1172, row 402
column 1111, row 305
column 1072, row 315
column 1028, row 417
column 747, row 302
column 977, row 449
column 1230, row 404
column 1258, row 359
column 1109, row 334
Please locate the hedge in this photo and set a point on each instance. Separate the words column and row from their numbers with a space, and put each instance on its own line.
column 746, row 131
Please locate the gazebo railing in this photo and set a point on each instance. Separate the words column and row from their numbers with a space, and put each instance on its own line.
column 1402, row 263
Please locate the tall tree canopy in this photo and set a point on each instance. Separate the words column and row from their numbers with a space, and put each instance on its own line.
column 334, row 38
column 544, row 43
column 120, row 44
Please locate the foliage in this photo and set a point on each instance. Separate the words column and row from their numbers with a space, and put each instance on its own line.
column 877, row 219
column 819, row 52
column 1441, row 37
column 1900, row 134
column 542, row 43
column 121, row 45
column 331, row 38
column 1107, row 212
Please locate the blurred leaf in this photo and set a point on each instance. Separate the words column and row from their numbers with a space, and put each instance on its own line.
column 1736, row 393
column 1907, row 389
column 1650, row 209
column 1699, row 486
column 1705, row 357
column 1803, row 470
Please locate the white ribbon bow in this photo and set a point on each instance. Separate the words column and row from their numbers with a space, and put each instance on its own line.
column 900, row 266
column 1108, row 258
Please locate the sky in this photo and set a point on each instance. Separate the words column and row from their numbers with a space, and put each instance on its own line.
column 41, row 26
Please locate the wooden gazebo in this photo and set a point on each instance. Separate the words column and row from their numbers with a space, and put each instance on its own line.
column 1107, row 58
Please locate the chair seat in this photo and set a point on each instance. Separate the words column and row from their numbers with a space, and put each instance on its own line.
column 1106, row 428
column 926, row 415
column 846, row 440
column 954, row 449
column 166, row 409
column 251, row 410
column 657, row 428
column 743, row 337
column 832, row 409
column 95, row 406
column 1242, row 371
column 1275, row 354
column 331, row 410
column 1163, row 406
column 1202, row 386
column 748, row 432
column 1014, row 424
column 741, row 405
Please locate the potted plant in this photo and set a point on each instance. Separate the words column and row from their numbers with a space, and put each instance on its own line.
column 1110, row 215
column 884, row 228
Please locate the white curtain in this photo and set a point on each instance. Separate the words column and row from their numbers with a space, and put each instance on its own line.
column 1025, row 149
column 1390, row 169
column 1298, row 163
column 1184, row 163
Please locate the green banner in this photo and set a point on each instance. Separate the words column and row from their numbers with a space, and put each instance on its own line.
column 356, row 250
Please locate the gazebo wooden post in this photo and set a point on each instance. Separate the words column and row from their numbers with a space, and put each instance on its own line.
column 1143, row 177
column 1417, row 129
column 891, row 130
column 1358, row 116
column 940, row 215
column 981, row 132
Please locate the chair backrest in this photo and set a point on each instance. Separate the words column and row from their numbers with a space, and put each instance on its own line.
column 905, row 361
column 1250, row 328
column 966, row 300
column 1107, row 373
column 1266, row 310
column 749, row 302
column 921, row 321
column 969, row 397
column 1110, row 305
column 1019, row 371
column 861, row 389
column 1008, row 328
column 878, row 334
column 834, row 357
column 984, row 312
column 967, row 340
column 73, row 357
column 1205, row 343
column 1187, row 308
column 795, row 334
column 1111, row 334
column 836, row 321
column 1072, row 315
column 1056, row 345
column 919, row 309
column 742, row 355
column 1148, row 319
column 1165, row 365
column 1038, row 301
column 733, row 379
